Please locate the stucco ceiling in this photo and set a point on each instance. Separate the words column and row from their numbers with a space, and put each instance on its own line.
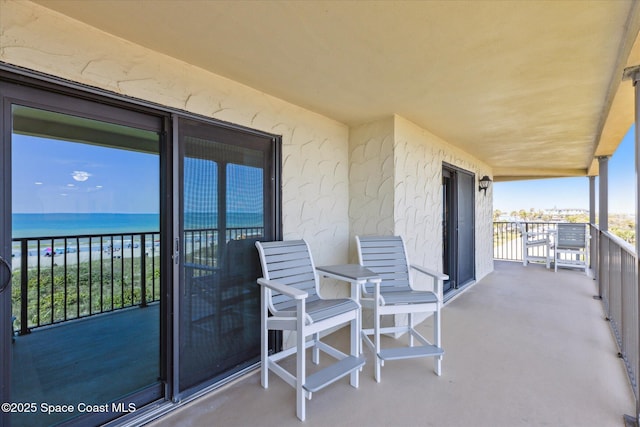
column 532, row 88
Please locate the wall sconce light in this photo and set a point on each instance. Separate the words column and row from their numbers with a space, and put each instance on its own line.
column 484, row 184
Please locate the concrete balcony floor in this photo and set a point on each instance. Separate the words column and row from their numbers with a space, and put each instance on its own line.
column 524, row 347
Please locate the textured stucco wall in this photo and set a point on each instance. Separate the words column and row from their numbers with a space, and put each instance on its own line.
column 382, row 177
column 395, row 180
column 371, row 180
column 419, row 157
column 315, row 149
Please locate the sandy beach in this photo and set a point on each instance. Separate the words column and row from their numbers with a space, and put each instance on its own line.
column 74, row 256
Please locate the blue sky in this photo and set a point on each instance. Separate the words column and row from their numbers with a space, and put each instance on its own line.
column 51, row 176
column 62, row 177
column 573, row 193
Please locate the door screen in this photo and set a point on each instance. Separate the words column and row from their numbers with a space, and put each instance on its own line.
column 227, row 204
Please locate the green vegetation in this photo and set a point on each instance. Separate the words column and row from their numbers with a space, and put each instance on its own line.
column 622, row 226
column 85, row 289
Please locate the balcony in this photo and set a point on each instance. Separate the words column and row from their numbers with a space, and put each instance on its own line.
column 524, row 346
column 60, row 376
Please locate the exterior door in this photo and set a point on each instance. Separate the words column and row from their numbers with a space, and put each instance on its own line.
column 466, row 228
column 128, row 264
column 80, row 328
column 458, row 227
column 227, row 187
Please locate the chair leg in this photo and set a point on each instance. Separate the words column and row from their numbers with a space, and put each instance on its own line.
column 264, row 339
column 376, row 341
column 437, row 339
column 410, row 320
column 315, row 355
column 300, row 362
column 548, row 257
column 355, row 351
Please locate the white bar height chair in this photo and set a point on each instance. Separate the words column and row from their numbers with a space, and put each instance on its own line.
column 395, row 294
column 291, row 301
column 571, row 247
column 536, row 245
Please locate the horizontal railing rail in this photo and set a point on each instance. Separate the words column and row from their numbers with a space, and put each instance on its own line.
column 63, row 278
column 507, row 239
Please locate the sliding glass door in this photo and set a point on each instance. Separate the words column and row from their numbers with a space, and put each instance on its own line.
column 227, row 204
column 81, row 231
column 458, row 227
column 128, row 264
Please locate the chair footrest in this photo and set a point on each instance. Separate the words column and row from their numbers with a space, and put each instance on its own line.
column 410, row 352
column 333, row 373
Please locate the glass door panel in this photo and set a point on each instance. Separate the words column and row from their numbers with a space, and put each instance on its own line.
column 226, row 206
column 458, row 227
column 86, row 267
column 448, row 231
column 466, row 228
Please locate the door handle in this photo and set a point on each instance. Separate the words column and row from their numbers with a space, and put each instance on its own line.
column 4, row 286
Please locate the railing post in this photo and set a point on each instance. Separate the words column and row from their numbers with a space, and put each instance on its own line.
column 24, row 284
column 143, row 267
column 592, row 222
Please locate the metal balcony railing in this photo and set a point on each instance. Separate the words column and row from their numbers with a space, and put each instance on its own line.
column 62, row 278
column 616, row 270
column 507, row 240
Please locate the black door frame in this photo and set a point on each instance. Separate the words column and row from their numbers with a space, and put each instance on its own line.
column 221, row 133
column 24, row 82
column 453, row 247
column 40, row 95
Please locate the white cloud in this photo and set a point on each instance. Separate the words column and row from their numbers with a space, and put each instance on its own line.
column 80, row 176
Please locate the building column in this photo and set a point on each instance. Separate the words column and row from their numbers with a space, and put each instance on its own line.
column 636, row 87
column 603, row 194
column 592, row 221
column 592, row 200
column 633, row 73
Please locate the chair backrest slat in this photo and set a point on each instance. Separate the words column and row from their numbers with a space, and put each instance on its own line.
column 290, row 263
column 387, row 257
column 572, row 235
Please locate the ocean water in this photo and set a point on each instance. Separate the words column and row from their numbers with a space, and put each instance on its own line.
column 65, row 224
column 75, row 224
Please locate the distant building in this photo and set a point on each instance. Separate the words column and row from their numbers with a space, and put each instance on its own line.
column 565, row 212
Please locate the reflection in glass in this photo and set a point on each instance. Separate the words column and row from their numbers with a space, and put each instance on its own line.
column 86, row 247
column 223, row 216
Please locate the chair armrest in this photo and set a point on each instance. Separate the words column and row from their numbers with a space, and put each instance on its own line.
column 538, row 234
column 289, row 291
column 429, row 272
column 438, row 279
